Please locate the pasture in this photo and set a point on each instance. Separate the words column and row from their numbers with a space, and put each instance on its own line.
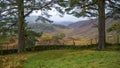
column 65, row 58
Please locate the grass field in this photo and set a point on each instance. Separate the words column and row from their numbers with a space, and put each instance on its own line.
column 74, row 59
column 65, row 58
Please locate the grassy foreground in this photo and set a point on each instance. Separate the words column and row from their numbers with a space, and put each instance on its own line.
column 64, row 58
column 74, row 59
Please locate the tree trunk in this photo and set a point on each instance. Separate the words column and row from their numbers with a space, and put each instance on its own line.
column 117, row 38
column 73, row 42
column 101, row 24
column 91, row 41
column 21, row 39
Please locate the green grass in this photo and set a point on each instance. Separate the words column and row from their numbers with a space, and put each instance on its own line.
column 69, row 58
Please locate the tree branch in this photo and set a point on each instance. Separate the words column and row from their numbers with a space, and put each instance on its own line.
column 95, row 25
column 37, row 8
column 12, row 25
column 110, row 2
column 83, row 6
column 28, row 13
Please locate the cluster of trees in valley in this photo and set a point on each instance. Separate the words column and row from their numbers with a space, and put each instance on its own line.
column 14, row 12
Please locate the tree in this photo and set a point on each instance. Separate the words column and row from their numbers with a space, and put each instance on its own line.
column 115, row 27
column 73, row 39
column 92, row 8
column 47, row 38
column 101, row 24
column 58, row 37
column 31, row 38
column 18, row 10
column 33, row 5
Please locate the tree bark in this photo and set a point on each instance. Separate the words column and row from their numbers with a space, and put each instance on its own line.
column 21, row 38
column 73, row 42
column 91, row 41
column 117, row 38
column 101, row 24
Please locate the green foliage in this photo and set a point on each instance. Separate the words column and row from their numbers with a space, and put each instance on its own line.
column 68, row 9
column 114, row 27
column 43, row 19
column 31, row 38
column 114, row 7
column 89, row 8
column 79, row 8
column 9, row 13
column 74, row 3
column 62, row 3
column 60, row 36
column 46, row 37
column 52, row 39
column 83, row 13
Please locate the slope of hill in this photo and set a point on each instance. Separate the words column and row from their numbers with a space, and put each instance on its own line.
column 88, row 28
column 48, row 28
column 80, row 29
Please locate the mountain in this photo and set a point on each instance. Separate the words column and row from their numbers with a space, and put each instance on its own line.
column 66, row 23
column 79, row 29
column 78, row 23
column 31, row 19
column 87, row 28
column 48, row 28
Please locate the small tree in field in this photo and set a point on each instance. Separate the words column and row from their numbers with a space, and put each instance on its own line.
column 115, row 27
column 31, row 38
column 47, row 38
column 58, row 37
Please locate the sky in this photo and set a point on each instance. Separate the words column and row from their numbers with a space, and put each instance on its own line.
column 57, row 19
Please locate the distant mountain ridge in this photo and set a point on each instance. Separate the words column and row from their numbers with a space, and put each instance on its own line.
column 48, row 28
column 88, row 28
column 32, row 19
column 80, row 29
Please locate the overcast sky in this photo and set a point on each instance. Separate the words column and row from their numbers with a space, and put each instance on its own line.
column 56, row 18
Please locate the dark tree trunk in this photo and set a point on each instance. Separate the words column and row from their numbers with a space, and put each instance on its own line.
column 101, row 24
column 91, row 41
column 73, row 42
column 117, row 38
column 21, row 39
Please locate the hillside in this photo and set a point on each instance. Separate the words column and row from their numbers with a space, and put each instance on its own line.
column 80, row 29
column 88, row 28
column 47, row 28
